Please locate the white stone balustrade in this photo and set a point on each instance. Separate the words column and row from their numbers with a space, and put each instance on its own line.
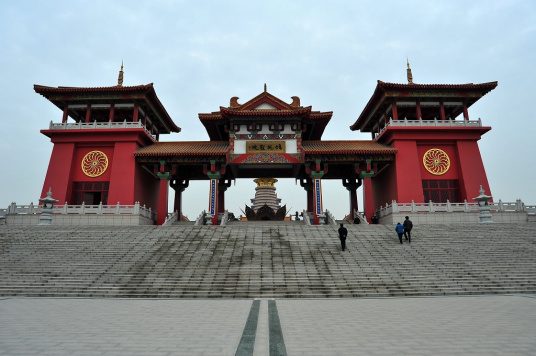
column 83, row 209
column 100, row 125
column 430, row 123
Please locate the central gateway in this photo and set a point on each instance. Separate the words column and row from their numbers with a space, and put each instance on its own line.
column 265, row 138
column 107, row 148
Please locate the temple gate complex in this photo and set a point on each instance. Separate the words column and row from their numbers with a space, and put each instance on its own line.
column 107, row 149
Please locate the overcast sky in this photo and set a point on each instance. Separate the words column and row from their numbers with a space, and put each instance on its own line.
column 199, row 54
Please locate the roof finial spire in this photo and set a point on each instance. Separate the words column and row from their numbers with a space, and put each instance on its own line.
column 265, row 87
column 120, row 78
column 410, row 76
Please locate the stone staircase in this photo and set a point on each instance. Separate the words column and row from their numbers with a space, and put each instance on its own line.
column 246, row 260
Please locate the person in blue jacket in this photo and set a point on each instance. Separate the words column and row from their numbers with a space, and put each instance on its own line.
column 400, row 231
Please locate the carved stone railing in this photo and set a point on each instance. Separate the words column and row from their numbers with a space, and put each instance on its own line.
column 99, row 125
column 430, row 123
column 306, row 218
column 330, row 219
column 224, row 218
column 82, row 209
column 448, row 207
column 201, row 219
column 361, row 217
column 171, row 218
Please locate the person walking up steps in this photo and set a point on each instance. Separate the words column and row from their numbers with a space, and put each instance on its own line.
column 400, row 231
column 342, row 236
column 408, row 225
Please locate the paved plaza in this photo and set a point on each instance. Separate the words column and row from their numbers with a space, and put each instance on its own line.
column 461, row 325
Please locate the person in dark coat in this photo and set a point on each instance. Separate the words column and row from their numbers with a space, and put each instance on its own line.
column 342, row 236
column 400, row 231
column 408, row 225
column 374, row 219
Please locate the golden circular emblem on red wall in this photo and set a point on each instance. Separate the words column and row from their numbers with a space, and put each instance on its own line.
column 436, row 161
column 94, row 163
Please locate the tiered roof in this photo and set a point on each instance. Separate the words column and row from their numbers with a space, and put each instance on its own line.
column 385, row 93
column 218, row 123
column 144, row 95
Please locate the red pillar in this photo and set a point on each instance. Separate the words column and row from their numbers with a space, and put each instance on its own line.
column 465, row 112
column 162, row 202
column 221, row 200
column 395, row 111
column 368, row 198
column 65, row 115
column 88, row 113
column 112, row 112
column 419, row 113
column 442, row 110
column 136, row 111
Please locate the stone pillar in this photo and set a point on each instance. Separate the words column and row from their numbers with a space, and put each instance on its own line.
column 483, row 207
column 46, row 211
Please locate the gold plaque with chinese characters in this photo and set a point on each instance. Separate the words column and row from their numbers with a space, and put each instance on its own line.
column 94, row 164
column 265, row 147
column 436, row 161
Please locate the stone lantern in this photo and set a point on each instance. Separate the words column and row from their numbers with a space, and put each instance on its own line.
column 483, row 206
column 46, row 211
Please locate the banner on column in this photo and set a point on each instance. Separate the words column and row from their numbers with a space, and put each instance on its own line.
column 318, row 195
column 212, row 208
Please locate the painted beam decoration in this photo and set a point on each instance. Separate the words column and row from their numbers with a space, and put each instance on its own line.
column 265, row 147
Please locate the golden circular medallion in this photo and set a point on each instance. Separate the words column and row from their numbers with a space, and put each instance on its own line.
column 94, row 163
column 436, row 161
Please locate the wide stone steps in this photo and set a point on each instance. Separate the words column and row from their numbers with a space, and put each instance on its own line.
column 266, row 260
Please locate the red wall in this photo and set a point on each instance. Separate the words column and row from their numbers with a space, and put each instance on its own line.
column 472, row 172
column 402, row 180
column 58, row 176
column 128, row 181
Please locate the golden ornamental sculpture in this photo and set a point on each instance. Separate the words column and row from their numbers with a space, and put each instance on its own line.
column 94, row 164
column 436, row 161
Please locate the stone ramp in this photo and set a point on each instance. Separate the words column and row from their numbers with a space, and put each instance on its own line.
column 266, row 260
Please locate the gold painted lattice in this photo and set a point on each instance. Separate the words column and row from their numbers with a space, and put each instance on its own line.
column 436, row 161
column 94, row 163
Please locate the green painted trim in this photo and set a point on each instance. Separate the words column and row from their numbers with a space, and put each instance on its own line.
column 247, row 341
column 277, row 344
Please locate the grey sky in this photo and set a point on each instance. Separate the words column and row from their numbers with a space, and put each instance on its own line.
column 199, row 54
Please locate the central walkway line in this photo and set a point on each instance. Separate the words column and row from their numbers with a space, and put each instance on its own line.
column 277, row 344
column 247, row 342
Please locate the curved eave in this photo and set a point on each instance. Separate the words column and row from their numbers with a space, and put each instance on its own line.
column 346, row 147
column 185, row 148
column 231, row 113
column 382, row 87
column 147, row 90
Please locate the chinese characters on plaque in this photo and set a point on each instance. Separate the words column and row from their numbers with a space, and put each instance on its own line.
column 265, row 146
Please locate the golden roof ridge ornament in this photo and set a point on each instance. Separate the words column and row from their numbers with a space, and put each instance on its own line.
column 120, row 78
column 410, row 76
